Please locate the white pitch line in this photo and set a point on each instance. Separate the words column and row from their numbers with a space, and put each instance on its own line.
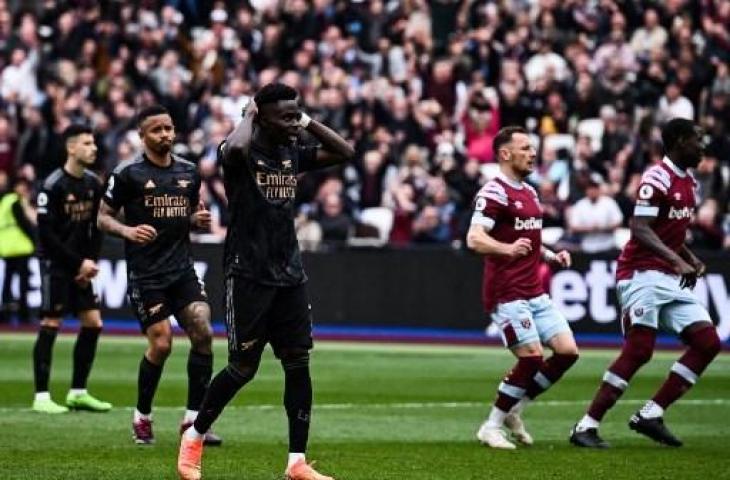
column 418, row 405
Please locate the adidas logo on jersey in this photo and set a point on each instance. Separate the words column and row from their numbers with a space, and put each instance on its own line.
column 531, row 223
column 679, row 214
column 149, row 184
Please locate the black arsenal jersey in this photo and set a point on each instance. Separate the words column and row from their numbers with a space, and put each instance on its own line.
column 163, row 197
column 261, row 243
column 67, row 208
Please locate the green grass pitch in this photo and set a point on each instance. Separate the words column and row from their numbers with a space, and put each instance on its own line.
column 381, row 412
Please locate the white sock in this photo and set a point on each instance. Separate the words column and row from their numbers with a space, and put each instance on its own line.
column 42, row 396
column 192, row 434
column 587, row 422
column 496, row 418
column 294, row 458
column 651, row 410
column 77, row 391
column 140, row 416
column 190, row 416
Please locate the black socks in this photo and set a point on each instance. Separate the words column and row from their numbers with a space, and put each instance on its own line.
column 149, row 378
column 42, row 354
column 200, row 369
column 84, row 353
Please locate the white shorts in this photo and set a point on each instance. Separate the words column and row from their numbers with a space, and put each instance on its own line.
column 653, row 299
column 529, row 321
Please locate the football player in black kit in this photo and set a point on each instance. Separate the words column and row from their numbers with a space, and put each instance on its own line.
column 266, row 298
column 158, row 193
column 69, row 248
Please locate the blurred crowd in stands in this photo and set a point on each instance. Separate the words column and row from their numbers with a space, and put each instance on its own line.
column 419, row 87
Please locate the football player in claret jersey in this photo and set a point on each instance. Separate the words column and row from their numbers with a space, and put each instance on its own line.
column 266, row 297
column 158, row 193
column 506, row 228
column 69, row 249
column 655, row 276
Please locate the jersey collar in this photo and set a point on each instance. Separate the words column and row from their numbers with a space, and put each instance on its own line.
column 678, row 171
column 509, row 181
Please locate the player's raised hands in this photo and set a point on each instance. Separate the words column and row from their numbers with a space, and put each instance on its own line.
column 201, row 218
column 250, row 109
column 520, row 248
column 141, row 234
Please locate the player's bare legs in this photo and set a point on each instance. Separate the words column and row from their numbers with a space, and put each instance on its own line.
column 704, row 345
column 195, row 319
column 83, row 358
column 159, row 346
column 42, row 356
column 512, row 389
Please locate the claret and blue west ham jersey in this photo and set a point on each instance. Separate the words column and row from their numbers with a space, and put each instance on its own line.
column 666, row 193
column 510, row 210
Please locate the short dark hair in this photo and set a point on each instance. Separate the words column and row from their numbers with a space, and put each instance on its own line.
column 504, row 136
column 75, row 130
column 150, row 111
column 675, row 130
column 273, row 92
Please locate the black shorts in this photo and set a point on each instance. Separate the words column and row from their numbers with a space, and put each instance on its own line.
column 258, row 314
column 154, row 304
column 61, row 295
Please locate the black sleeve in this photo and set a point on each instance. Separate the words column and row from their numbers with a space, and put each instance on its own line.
column 307, row 158
column 49, row 206
column 116, row 192
column 231, row 162
column 95, row 235
column 25, row 225
column 227, row 158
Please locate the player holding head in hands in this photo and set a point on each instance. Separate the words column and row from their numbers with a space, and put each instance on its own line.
column 266, row 296
column 69, row 248
column 159, row 195
column 506, row 230
column 655, row 277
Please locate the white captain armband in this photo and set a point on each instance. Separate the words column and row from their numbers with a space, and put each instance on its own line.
column 479, row 219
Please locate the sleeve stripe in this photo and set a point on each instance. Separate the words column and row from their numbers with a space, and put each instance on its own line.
column 497, row 198
column 659, row 174
column 495, row 191
column 659, row 179
column 644, row 211
column 655, row 183
column 493, row 186
column 479, row 219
